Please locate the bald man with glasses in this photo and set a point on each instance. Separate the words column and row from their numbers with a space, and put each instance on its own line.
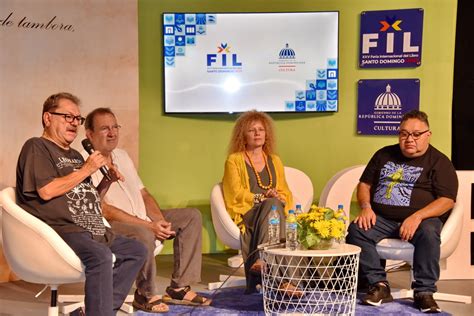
column 406, row 191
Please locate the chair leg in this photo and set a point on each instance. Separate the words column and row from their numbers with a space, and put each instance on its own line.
column 53, row 307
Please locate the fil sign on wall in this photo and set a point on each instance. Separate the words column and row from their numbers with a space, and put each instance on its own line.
column 391, row 38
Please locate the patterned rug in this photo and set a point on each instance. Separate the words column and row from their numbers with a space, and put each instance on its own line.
column 233, row 301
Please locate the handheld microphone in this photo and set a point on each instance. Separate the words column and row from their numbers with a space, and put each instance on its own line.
column 86, row 143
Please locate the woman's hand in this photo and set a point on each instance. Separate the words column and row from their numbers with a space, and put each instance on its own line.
column 273, row 193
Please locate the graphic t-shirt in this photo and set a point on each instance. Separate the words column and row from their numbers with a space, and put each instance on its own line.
column 400, row 186
column 40, row 162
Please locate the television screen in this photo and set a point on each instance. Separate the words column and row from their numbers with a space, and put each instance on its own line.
column 234, row 62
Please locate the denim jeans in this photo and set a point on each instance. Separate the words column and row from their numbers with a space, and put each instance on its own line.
column 426, row 241
column 107, row 284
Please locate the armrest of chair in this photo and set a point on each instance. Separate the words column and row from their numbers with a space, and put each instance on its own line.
column 451, row 231
column 225, row 227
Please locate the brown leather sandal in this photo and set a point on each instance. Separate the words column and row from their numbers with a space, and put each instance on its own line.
column 184, row 297
column 257, row 267
column 289, row 290
column 149, row 305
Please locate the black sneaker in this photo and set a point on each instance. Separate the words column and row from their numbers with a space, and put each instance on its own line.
column 378, row 293
column 426, row 303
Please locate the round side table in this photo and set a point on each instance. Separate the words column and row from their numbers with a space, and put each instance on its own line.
column 312, row 282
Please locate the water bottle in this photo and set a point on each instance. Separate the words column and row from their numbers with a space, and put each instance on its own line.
column 274, row 226
column 298, row 210
column 291, row 231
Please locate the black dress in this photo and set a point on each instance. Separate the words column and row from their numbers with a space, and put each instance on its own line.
column 256, row 222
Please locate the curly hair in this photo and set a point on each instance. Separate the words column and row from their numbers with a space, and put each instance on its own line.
column 237, row 141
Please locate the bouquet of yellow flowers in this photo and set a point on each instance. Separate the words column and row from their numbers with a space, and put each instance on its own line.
column 320, row 226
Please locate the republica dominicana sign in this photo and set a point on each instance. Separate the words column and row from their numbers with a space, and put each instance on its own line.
column 391, row 38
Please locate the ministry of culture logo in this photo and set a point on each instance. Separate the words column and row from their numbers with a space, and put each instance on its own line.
column 388, row 101
column 224, row 60
column 287, row 53
column 287, row 61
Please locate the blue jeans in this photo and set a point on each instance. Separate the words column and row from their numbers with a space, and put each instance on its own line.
column 426, row 241
column 107, row 284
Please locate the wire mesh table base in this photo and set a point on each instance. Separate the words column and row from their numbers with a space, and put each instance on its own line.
column 310, row 282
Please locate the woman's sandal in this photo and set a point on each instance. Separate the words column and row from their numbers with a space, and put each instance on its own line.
column 289, row 290
column 184, row 297
column 152, row 305
column 257, row 267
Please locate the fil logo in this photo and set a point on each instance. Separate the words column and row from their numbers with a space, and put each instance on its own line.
column 223, row 58
column 391, row 27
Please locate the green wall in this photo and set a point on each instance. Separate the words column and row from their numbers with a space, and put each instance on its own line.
column 182, row 156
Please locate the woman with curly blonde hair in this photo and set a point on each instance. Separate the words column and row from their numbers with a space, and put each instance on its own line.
column 253, row 182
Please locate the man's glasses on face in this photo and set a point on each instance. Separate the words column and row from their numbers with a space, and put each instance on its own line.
column 414, row 135
column 108, row 129
column 70, row 118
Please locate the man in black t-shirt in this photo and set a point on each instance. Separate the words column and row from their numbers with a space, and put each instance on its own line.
column 406, row 192
column 54, row 184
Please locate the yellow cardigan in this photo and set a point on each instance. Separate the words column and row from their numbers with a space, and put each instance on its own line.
column 237, row 196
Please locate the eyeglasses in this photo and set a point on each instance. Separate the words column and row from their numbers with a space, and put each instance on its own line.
column 414, row 135
column 107, row 129
column 70, row 118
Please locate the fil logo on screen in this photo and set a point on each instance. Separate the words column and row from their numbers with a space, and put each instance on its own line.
column 389, row 27
column 223, row 58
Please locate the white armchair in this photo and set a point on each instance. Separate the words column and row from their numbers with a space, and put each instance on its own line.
column 339, row 190
column 37, row 254
column 302, row 189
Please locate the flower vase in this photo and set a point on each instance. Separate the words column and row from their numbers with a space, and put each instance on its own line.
column 323, row 244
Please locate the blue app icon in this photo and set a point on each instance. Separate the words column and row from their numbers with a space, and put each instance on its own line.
column 200, row 18
column 300, row 106
column 179, row 18
column 320, row 105
column 321, row 84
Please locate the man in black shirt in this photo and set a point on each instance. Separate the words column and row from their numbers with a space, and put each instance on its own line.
column 406, row 192
column 53, row 183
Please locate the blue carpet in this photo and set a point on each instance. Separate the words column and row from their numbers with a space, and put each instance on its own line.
column 233, row 301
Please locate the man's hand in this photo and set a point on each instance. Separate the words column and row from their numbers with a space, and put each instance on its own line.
column 115, row 175
column 94, row 162
column 366, row 218
column 162, row 229
column 409, row 227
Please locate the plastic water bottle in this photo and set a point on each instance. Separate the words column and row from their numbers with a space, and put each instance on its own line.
column 291, row 231
column 298, row 210
column 274, row 226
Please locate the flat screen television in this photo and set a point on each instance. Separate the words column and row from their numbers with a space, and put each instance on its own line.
column 234, row 62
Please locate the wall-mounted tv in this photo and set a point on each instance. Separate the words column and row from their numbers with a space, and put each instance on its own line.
column 234, row 62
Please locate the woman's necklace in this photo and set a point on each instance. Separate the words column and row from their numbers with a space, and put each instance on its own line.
column 259, row 181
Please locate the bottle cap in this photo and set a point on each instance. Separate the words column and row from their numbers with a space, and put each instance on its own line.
column 340, row 206
column 274, row 207
column 291, row 212
column 298, row 205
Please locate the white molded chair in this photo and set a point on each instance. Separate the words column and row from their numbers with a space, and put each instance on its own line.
column 37, row 254
column 227, row 231
column 339, row 190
